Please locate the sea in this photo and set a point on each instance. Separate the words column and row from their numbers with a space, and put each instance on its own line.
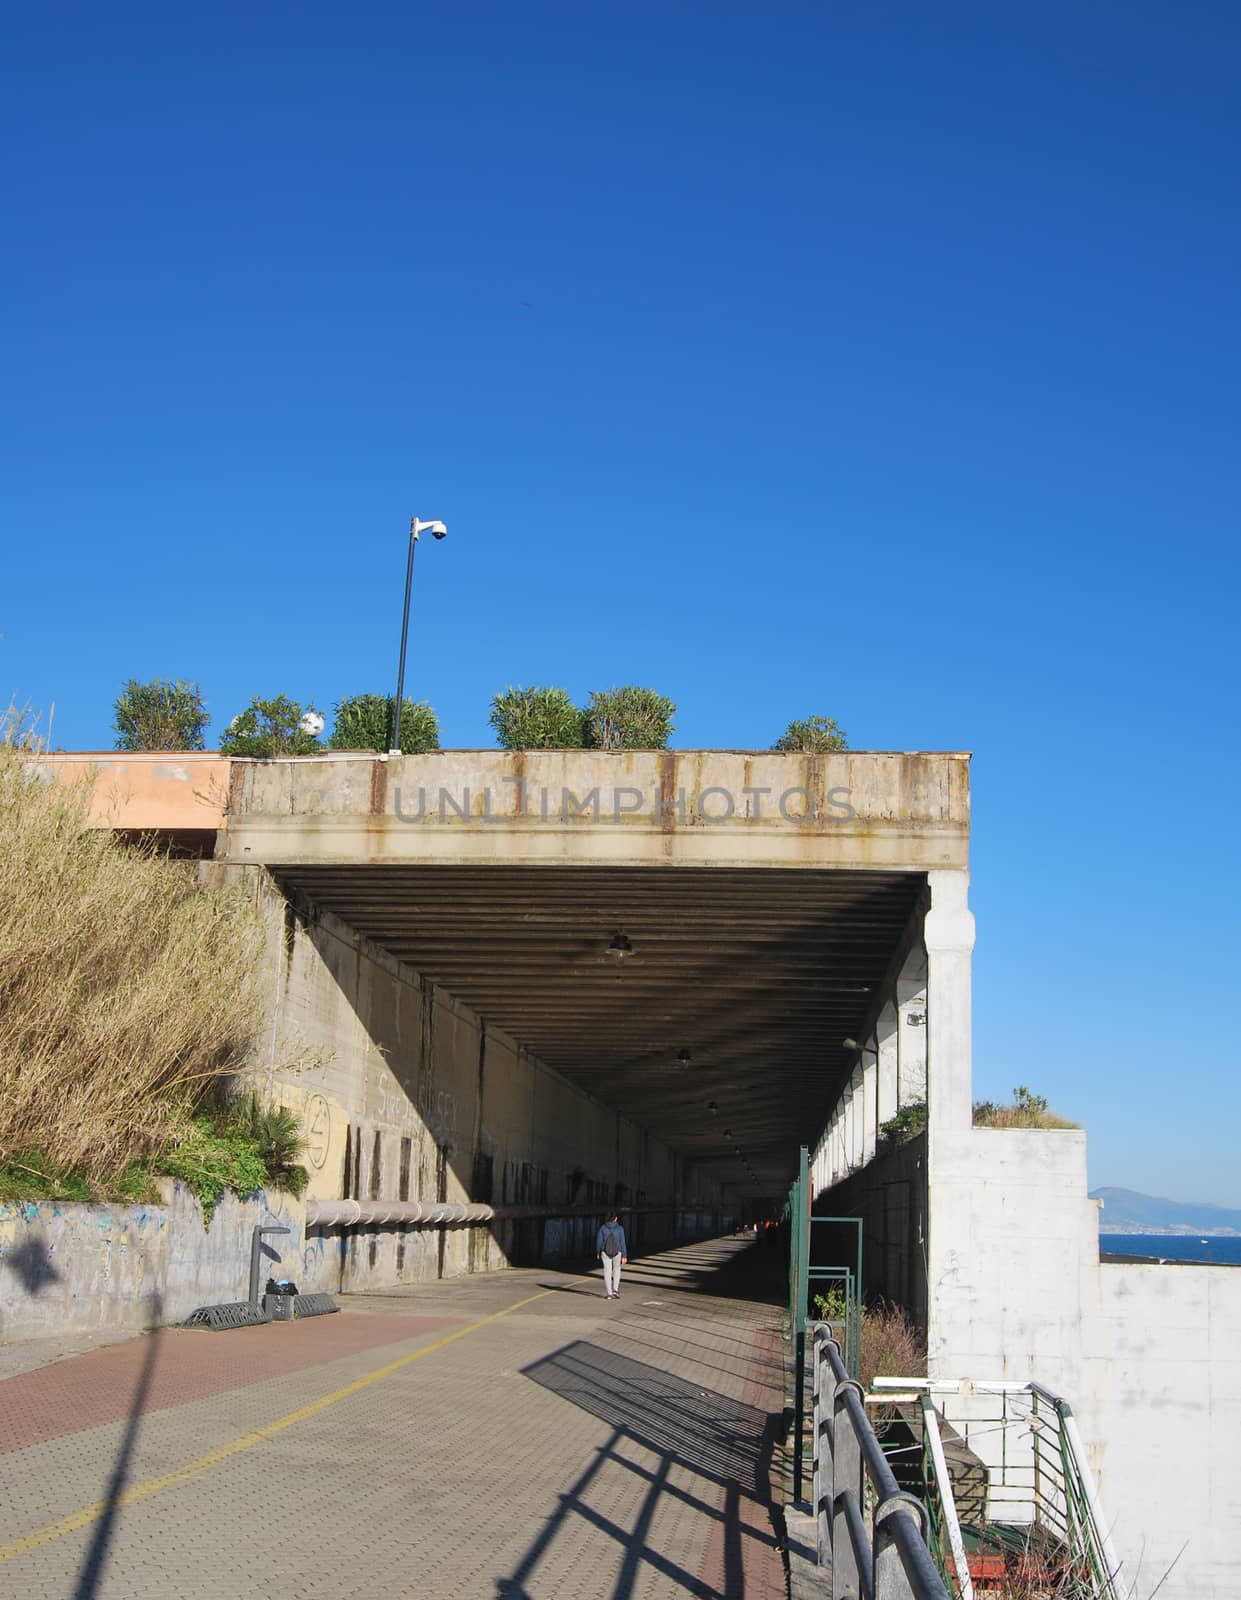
column 1218, row 1248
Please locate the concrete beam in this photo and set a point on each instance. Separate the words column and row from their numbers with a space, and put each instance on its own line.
column 704, row 808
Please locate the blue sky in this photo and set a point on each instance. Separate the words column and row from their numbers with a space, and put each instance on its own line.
column 873, row 361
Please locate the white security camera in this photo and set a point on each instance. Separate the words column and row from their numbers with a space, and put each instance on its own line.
column 438, row 531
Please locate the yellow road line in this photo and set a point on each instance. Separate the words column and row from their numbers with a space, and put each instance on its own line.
column 140, row 1491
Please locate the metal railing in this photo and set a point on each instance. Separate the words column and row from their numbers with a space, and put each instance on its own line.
column 1039, row 1482
column 871, row 1533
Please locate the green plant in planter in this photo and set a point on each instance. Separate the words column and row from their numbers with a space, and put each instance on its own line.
column 536, row 719
column 364, row 722
column 629, row 719
column 279, row 727
column 812, row 736
column 159, row 716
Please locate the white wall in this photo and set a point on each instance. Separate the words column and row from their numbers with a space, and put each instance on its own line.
column 1162, row 1403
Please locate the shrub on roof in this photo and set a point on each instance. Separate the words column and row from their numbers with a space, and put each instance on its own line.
column 629, row 718
column 813, row 736
column 279, row 727
column 364, row 722
column 159, row 715
column 537, row 719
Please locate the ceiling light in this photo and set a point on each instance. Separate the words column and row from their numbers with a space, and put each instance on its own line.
column 713, row 1108
column 620, row 947
column 683, row 1059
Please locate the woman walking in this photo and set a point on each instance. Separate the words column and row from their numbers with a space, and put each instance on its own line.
column 610, row 1248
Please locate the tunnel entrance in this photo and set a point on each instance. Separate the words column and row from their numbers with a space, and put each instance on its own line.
column 717, row 1026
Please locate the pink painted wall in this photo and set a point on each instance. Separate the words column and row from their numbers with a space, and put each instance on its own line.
column 145, row 790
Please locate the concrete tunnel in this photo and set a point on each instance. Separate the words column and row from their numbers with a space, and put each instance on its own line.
column 444, row 931
column 455, row 1027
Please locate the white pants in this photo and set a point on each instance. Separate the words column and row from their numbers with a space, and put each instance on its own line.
column 611, row 1274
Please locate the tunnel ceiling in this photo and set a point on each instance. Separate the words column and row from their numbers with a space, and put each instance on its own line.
column 759, row 974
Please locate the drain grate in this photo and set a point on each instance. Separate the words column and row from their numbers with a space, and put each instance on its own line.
column 235, row 1314
column 313, row 1305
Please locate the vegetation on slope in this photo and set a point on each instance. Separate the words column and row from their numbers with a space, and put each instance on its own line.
column 128, row 1003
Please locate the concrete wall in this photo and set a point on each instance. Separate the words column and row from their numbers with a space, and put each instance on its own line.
column 66, row 1268
column 176, row 791
column 1162, row 1398
column 1148, row 1356
column 404, row 1093
column 890, row 1195
column 1012, row 1236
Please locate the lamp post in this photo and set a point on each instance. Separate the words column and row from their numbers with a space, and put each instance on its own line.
column 437, row 530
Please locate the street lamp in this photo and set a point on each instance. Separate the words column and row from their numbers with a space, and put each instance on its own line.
column 437, row 530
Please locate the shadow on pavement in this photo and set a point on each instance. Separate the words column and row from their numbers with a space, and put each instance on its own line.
column 721, row 1442
column 95, row 1561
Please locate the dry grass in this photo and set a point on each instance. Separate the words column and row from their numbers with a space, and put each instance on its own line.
column 891, row 1346
column 126, row 990
column 992, row 1116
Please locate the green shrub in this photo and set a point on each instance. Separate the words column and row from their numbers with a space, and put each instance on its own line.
column 364, row 722
column 29, row 1175
column 209, row 1160
column 159, row 716
column 267, row 728
column 812, row 736
column 243, row 1145
column 907, row 1124
column 629, row 719
column 831, row 1306
column 537, row 719
column 278, row 1135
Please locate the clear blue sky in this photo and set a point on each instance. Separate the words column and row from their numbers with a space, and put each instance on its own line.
column 879, row 361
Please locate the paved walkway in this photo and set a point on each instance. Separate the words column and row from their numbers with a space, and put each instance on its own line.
column 507, row 1435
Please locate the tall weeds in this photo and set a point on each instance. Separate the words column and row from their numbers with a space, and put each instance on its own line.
column 126, row 989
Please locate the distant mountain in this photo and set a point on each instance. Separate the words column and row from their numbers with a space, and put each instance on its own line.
column 1126, row 1211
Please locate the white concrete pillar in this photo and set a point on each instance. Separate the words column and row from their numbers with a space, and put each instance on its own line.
column 949, row 936
column 839, row 1163
column 869, row 1065
column 857, row 1105
column 886, row 1039
column 911, row 1030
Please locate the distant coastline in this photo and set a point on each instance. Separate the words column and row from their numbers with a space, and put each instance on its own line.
column 1126, row 1211
column 1178, row 1231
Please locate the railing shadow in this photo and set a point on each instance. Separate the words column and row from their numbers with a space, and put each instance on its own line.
column 32, row 1262
column 91, row 1572
column 722, row 1443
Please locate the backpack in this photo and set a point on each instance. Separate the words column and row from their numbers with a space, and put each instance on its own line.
column 610, row 1246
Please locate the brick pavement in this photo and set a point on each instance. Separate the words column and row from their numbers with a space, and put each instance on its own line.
column 507, row 1435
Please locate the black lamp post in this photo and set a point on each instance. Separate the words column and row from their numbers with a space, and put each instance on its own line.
column 437, row 530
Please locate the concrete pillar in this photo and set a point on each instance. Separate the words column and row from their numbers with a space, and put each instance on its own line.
column 839, row 1163
column 948, row 932
column 857, row 1133
column 869, row 1065
column 886, row 1038
column 911, row 1030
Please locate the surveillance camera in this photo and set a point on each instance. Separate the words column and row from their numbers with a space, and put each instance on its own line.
column 438, row 531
